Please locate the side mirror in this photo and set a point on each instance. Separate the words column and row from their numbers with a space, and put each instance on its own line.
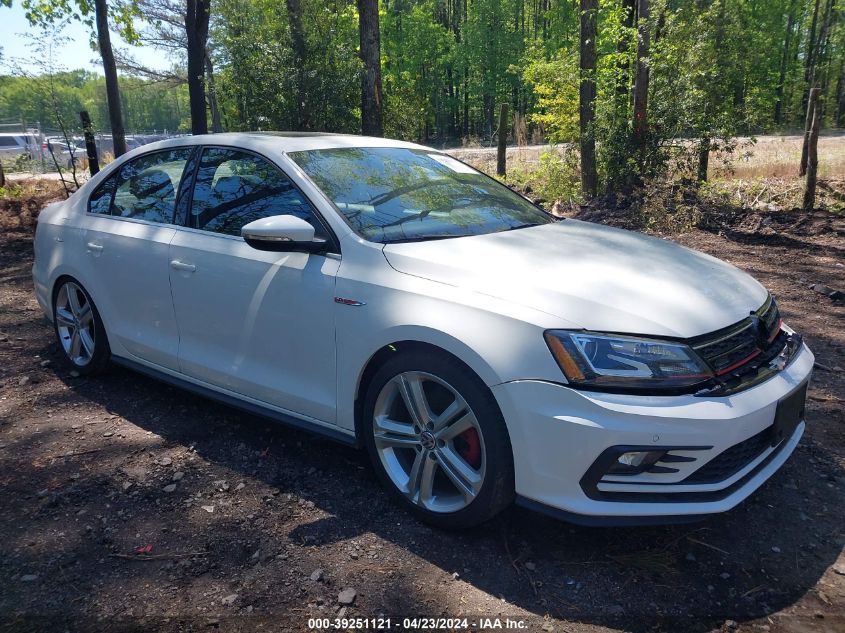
column 283, row 234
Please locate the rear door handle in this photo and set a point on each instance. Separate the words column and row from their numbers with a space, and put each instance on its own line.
column 182, row 266
column 93, row 247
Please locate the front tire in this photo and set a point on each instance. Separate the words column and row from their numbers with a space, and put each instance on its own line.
column 79, row 328
column 437, row 440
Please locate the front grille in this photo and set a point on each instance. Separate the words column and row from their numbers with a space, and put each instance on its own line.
column 730, row 348
column 729, row 462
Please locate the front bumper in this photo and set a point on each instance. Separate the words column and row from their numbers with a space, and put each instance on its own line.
column 557, row 433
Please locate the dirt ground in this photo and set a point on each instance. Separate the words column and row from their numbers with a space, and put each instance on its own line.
column 252, row 526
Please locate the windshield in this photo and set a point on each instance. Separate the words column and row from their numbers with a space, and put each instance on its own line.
column 391, row 194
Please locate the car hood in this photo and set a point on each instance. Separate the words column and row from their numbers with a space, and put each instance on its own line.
column 596, row 277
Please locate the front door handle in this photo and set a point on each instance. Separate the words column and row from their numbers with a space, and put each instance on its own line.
column 182, row 266
column 93, row 247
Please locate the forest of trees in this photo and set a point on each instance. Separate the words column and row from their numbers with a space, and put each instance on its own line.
column 147, row 106
column 623, row 77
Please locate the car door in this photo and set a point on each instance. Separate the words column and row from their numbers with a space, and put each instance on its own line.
column 126, row 235
column 256, row 323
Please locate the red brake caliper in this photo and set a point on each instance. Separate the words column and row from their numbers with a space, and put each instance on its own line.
column 470, row 448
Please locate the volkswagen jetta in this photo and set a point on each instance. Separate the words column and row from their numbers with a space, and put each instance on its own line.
column 388, row 295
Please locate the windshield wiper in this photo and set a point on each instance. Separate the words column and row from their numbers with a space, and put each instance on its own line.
column 421, row 238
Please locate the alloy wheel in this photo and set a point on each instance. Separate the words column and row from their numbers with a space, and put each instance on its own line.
column 75, row 324
column 429, row 441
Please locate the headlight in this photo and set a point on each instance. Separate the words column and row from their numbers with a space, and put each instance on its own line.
column 607, row 361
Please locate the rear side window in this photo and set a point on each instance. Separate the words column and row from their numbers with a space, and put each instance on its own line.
column 146, row 187
column 100, row 200
column 234, row 188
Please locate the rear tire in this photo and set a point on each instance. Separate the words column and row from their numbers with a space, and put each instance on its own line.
column 437, row 440
column 79, row 329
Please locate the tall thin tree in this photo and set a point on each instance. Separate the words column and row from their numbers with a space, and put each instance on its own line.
column 101, row 11
column 784, row 63
column 371, row 104
column 587, row 97
column 196, row 29
column 95, row 16
column 300, row 53
column 812, row 156
column 810, row 57
column 808, row 128
column 641, row 81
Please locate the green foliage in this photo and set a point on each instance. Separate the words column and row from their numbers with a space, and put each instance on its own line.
column 257, row 77
column 555, row 85
column 417, row 54
column 447, row 65
column 555, row 178
column 122, row 14
column 12, row 191
column 147, row 106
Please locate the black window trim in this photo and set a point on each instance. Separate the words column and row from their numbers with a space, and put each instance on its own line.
column 184, row 224
column 196, row 157
column 333, row 240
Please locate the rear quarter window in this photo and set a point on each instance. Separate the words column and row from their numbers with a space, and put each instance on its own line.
column 100, row 201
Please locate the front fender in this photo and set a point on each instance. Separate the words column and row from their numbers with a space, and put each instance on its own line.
column 498, row 340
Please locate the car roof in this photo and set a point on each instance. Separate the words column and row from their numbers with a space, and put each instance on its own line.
column 274, row 142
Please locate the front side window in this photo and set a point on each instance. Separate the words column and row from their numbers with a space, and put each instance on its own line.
column 147, row 186
column 234, row 188
column 397, row 194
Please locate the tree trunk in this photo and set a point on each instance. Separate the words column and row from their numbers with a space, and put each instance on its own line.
column 466, row 104
column 489, row 108
column 587, row 98
column 808, row 125
column 216, row 124
column 502, row 147
column 2, row 176
column 840, row 95
column 110, row 70
column 784, row 64
column 641, row 80
column 196, row 29
column 813, row 160
column 809, row 58
column 90, row 143
column 703, row 159
column 300, row 54
column 822, row 56
column 371, row 105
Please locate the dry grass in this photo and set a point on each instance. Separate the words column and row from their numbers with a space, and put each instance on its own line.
column 768, row 157
column 519, row 158
column 779, row 156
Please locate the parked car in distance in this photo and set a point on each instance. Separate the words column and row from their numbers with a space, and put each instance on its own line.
column 12, row 146
column 387, row 295
column 105, row 145
column 66, row 155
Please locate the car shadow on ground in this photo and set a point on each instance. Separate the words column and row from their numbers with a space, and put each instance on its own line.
column 753, row 561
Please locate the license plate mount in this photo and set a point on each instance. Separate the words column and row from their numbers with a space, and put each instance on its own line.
column 789, row 413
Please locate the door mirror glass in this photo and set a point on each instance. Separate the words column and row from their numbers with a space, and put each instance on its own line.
column 282, row 233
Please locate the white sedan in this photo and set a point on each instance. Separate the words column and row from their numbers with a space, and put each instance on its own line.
column 389, row 296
